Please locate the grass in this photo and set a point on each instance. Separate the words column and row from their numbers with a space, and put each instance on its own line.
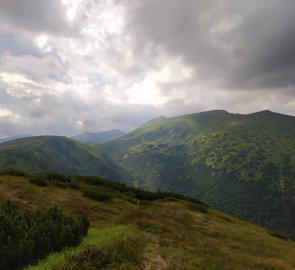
column 100, row 249
column 187, row 238
column 165, row 233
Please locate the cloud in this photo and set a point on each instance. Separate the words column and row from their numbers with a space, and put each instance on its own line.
column 36, row 16
column 36, row 69
column 241, row 45
column 17, row 44
column 71, row 66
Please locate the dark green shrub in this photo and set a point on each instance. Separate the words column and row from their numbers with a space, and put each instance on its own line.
column 98, row 195
column 199, row 207
column 13, row 172
column 169, row 199
column 97, row 181
column 153, row 196
column 226, row 218
column 277, row 234
column 73, row 186
column 60, row 184
column 26, row 237
column 61, row 180
column 38, row 181
column 58, row 177
column 137, row 193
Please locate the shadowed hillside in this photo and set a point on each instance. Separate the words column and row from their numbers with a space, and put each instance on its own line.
column 241, row 164
column 56, row 154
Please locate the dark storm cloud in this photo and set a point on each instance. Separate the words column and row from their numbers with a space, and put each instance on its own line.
column 265, row 42
column 241, row 44
column 36, row 16
column 149, row 58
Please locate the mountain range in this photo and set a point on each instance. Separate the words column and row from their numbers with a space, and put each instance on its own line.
column 240, row 164
column 45, row 154
column 98, row 137
column 11, row 138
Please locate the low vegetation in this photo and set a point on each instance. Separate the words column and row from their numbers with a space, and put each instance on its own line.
column 102, row 248
column 101, row 189
column 26, row 237
column 142, row 232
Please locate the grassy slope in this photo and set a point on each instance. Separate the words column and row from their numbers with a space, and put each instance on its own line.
column 56, row 154
column 177, row 234
column 241, row 164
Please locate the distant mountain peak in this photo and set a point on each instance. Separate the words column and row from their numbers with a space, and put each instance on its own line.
column 263, row 112
column 266, row 113
column 56, row 154
column 240, row 163
column 98, row 137
column 217, row 111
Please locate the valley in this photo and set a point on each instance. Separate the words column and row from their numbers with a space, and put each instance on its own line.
column 243, row 165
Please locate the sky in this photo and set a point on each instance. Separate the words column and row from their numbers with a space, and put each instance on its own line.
column 90, row 65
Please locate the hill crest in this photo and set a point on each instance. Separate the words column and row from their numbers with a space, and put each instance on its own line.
column 98, row 137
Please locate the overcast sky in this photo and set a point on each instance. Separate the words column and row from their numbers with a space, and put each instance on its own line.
column 70, row 66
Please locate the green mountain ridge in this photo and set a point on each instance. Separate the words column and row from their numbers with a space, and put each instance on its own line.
column 240, row 164
column 45, row 154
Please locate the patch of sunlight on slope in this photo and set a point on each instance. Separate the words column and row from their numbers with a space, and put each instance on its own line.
column 97, row 238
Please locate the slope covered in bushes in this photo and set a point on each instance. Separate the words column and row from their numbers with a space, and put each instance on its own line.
column 26, row 237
